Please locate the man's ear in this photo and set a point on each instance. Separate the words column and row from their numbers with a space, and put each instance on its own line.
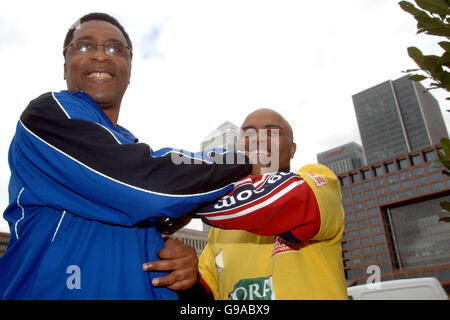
column 293, row 149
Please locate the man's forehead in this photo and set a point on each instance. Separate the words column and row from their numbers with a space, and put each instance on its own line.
column 263, row 119
column 98, row 29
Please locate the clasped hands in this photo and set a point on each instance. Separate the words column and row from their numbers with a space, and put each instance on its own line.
column 178, row 259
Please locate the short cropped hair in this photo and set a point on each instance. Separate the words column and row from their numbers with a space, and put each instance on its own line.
column 95, row 16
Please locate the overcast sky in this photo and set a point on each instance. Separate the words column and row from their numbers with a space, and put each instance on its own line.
column 199, row 63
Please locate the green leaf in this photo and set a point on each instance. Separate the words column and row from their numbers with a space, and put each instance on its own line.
column 444, row 60
column 444, row 219
column 445, row 143
column 445, row 45
column 446, row 172
column 417, row 56
column 439, row 7
column 445, row 205
column 411, row 70
column 410, row 8
column 417, row 77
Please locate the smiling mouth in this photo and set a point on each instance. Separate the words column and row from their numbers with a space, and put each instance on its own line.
column 99, row 75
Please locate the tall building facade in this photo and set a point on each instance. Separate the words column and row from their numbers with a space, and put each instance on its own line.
column 392, row 216
column 225, row 136
column 343, row 158
column 397, row 117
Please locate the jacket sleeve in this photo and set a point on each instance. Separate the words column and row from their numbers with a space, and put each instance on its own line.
column 81, row 167
column 297, row 207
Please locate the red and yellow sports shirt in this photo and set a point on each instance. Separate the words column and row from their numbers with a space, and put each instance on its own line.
column 285, row 241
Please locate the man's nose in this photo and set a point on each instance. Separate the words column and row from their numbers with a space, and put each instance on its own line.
column 99, row 53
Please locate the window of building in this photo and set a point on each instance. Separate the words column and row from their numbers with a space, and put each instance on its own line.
column 349, row 216
column 390, row 167
column 350, row 225
column 416, row 159
column 360, row 214
column 437, row 186
column 418, row 171
column 356, row 188
column 396, row 196
column 379, row 182
column 407, row 184
column 352, row 234
column 409, row 193
column 366, row 241
column 358, row 205
column 381, row 190
column 357, row 196
column 383, row 199
column 393, row 178
column 353, row 243
column 369, row 194
column 371, row 211
column 362, row 223
column 429, row 156
column 382, row 257
column 367, row 185
column 380, row 248
column 356, row 261
column 347, row 208
column 377, row 229
column 355, row 252
column 344, row 181
column 394, row 187
column 345, row 191
column 370, row 202
column 385, row 268
column 364, row 232
column 348, row 274
column 377, row 171
column 375, row 220
column 405, row 175
column 367, row 250
column 346, row 200
column 347, row 263
column 434, row 176
column 423, row 189
column 378, row 238
column 369, row 259
column 444, row 274
column 354, row 177
column 421, row 180
column 358, row 272
column 403, row 164
column 366, row 174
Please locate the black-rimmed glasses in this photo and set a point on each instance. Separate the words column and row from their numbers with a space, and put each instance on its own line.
column 111, row 48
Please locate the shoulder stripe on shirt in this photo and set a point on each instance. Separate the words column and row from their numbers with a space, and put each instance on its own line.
column 23, row 213
column 255, row 207
column 59, row 104
column 232, row 204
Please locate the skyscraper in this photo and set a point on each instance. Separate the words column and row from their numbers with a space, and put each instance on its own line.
column 397, row 117
column 343, row 158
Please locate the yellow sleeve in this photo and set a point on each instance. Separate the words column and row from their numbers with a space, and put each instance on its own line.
column 207, row 266
column 327, row 191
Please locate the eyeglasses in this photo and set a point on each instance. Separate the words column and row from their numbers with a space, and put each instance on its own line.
column 111, row 48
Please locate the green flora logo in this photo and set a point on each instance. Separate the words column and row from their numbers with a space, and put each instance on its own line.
column 253, row 289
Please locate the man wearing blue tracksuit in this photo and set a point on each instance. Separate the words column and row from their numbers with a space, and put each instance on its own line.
column 84, row 194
